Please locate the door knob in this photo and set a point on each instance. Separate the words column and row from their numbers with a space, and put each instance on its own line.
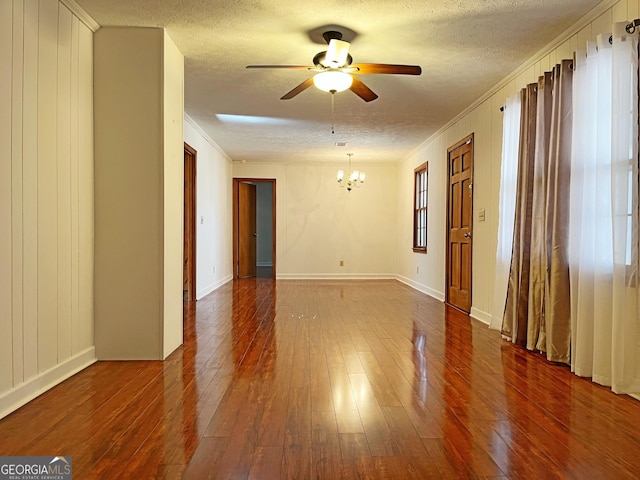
column 467, row 235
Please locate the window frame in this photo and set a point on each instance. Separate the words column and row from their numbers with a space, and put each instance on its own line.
column 420, row 210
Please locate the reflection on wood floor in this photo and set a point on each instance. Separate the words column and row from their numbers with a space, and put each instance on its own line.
column 264, row 272
column 321, row 379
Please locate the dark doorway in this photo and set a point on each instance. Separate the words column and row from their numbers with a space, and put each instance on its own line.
column 254, row 227
column 189, row 256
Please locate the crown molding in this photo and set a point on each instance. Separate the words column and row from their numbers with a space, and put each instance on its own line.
column 82, row 15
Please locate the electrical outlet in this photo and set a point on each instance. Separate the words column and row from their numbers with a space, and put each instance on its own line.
column 417, row 269
column 214, row 269
column 342, row 263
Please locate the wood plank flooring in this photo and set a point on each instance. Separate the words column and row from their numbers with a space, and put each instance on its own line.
column 334, row 380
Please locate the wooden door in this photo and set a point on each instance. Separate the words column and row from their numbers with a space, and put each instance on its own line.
column 189, row 263
column 247, row 230
column 459, row 223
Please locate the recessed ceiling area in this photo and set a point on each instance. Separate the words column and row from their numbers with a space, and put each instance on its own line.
column 464, row 47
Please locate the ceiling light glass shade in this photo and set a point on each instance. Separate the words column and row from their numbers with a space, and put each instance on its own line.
column 332, row 81
column 336, row 53
column 355, row 178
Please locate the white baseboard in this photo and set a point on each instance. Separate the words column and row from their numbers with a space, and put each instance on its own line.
column 335, row 276
column 421, row 288
column 207, row 290
column 27, row 391
column 480, row 315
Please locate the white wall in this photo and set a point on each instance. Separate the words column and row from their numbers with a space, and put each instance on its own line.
column 46, row 198
column 485, row 120
column 138, row 193
column 318, row 223
column 214, row 255
column 173, row 178
column 423, row 271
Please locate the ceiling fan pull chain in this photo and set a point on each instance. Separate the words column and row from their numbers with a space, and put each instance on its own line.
column 332, row 110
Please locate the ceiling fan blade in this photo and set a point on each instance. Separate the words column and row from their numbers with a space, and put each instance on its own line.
column 362, row 90
column 300, row 88
column 293, row 67
column 386, row 68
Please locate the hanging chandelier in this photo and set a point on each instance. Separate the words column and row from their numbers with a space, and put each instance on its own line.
column 355, row 178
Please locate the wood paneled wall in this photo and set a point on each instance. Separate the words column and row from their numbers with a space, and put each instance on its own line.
column 46, row 197
column 426, row 272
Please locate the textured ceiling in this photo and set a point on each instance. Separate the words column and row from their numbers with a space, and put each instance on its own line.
column 463, row 46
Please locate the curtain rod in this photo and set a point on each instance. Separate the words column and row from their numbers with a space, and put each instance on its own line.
column 631, row 27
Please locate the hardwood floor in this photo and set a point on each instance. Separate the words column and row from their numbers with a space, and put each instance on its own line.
column 320, row 379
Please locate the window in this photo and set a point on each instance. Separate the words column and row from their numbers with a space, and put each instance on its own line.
column 420, row 208
column 630, row 254
column 629, row 161
column 632, row 241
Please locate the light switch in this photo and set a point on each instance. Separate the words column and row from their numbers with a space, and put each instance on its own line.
column 481, row 215
column 201, row 220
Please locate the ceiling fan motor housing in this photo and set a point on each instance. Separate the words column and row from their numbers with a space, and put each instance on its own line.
column 331, row 35
column 320, row 58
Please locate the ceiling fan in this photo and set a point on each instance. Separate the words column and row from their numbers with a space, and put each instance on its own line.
column 335, row 70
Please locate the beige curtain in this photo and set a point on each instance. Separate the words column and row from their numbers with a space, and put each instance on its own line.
column 557, row 287
column 537, row 312
column 535, row 317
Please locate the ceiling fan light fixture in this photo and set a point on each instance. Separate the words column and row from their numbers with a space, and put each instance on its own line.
column 337, row 53
column 332, row 81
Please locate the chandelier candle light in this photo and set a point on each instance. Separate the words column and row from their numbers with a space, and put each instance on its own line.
column 355, row 179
